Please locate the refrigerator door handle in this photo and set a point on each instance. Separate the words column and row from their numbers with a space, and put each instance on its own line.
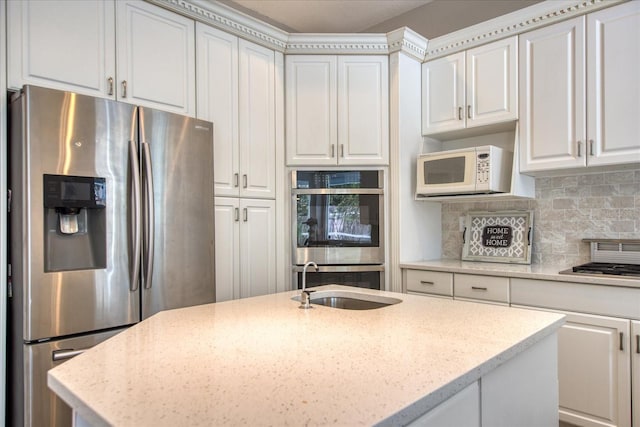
column 134, row 268
column 59, row 355
column 149, row 216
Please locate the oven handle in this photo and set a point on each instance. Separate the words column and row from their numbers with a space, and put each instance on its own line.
column 341, row 268
column 323, row 191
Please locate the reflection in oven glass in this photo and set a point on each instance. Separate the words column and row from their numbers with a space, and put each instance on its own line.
column 338, row 220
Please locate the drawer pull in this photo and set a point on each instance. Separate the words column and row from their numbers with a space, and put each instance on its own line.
column 425, row 282
column 478, row 288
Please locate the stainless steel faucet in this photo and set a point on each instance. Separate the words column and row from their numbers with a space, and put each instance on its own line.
column 305, row 295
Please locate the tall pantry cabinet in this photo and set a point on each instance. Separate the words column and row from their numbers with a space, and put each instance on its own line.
column 126, row 50
column 236, row 91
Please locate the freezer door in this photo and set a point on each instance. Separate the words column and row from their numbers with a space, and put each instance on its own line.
column 178, row 211
column 62, row 133
column 40, row 406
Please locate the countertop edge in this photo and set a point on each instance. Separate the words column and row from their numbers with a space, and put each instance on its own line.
column 431, row 401
column 78, row 405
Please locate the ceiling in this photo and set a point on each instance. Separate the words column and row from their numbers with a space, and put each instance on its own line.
column 431, row 18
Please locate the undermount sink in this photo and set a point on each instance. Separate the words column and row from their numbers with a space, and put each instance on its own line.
column 348, row 300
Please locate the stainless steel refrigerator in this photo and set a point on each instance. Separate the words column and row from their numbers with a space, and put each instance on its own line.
column 112, row 220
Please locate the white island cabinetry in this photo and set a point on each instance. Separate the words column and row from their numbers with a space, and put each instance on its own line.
column 337, row 110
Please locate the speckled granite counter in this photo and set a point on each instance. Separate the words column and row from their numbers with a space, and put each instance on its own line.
column 541, row 272
column 263, row 361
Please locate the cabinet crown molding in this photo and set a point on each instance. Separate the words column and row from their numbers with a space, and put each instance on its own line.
column 402, row 40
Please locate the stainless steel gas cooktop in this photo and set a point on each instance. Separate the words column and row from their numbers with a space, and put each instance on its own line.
column 611, row 257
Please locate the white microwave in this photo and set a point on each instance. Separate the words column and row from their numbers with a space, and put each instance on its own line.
column 485, row 169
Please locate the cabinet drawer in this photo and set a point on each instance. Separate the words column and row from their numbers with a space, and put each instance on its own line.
column 489, row 288
column 429, row 282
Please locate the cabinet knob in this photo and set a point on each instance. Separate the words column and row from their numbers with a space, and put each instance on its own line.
column 237, row 214
column 236, row 179
column 468, row 111
column 579, row 149
column 342, row 150
column 244, row 181
column 459, row 113
column 245, row 215
column 333, row 149
column 591, row 147
column 110, row 81
column 124, row 88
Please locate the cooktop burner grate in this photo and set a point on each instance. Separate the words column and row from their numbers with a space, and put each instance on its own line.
column 608, row 268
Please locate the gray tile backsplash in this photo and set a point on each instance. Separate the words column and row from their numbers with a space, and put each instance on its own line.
column 566, row 210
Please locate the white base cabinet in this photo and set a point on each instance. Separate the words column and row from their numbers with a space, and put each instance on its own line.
column 245, row 248
column 635, row 372
column 569, row 74
column 594, row 371
column 75, row 46
column 337, row 110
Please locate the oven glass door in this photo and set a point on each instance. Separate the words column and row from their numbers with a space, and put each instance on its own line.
column 338, row 217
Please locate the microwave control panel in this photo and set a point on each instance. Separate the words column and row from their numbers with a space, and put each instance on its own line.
column 482, row 168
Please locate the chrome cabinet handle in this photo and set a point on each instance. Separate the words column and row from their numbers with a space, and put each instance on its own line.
column 59, row 355
column 237, row 214
column 621, row 341
column 124, row 88
column 591, row 147
column 478, row 288
column 333, row 149
column 579, row 149
column 110, row 81
column 244, row 180
column 459, row 113
column 134, row 268
column 245, row 215
column 468, row 111
column 342, row 150
column 426, row 282
column 236, row 179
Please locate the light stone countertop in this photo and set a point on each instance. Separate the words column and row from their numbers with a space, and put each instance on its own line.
column 540, row 272
column 263, row 361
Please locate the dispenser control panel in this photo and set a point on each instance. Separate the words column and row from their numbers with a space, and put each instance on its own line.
column 66, row 191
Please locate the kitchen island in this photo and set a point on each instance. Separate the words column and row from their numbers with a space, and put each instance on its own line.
column 263, row 361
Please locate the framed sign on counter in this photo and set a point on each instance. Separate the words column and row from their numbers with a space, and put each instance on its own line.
column 498, row 237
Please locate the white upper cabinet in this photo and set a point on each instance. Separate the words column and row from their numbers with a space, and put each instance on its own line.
column 66, row 45
column 217, row 81
column 580, row 107
column 477, row 87
column 257, row 132
column 236, row 91
column 73, row 45
column 613, row 85
column 156, row 57
column 337, row 110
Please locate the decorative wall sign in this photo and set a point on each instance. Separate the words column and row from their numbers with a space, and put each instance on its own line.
column 498, row 237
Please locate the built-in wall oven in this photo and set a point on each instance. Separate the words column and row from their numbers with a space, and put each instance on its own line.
column 338, row 223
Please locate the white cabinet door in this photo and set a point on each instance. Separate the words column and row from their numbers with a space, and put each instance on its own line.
column 227, row 247
column 552, row 97
column 635, row 371
column 594, row 371
column 492, row 95
column 311, row 109
column 257, row 247
column 66, row 45
column 257, row 132
column 613, row 86
column 156, row 57
column 217, row 82
column 363, row 110
column 443, row 94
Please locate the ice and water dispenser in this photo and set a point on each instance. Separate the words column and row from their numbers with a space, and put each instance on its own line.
column 75, row 223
